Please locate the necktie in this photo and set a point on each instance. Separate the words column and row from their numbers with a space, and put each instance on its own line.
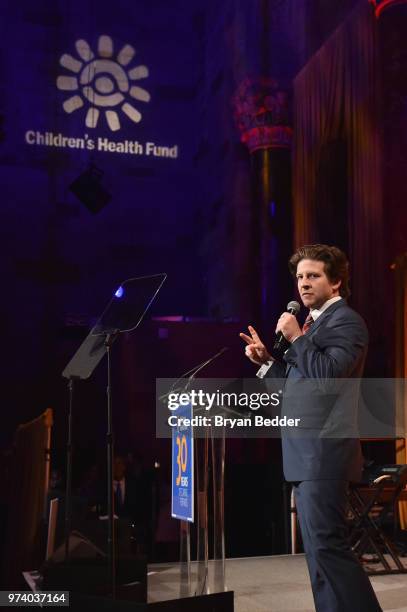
column 308, row 322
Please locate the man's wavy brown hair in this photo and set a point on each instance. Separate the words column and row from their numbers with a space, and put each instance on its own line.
column 336, row 265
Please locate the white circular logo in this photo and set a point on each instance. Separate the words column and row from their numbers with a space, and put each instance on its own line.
column 103, row 82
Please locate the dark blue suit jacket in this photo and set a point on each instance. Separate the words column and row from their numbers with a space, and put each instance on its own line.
column 333, row 348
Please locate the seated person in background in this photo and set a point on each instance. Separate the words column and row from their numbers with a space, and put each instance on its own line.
column 124, row 490
column 132, row 500
column 89, row 489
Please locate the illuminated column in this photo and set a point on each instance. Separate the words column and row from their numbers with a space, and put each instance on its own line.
column 384, row 5
column 262, row 116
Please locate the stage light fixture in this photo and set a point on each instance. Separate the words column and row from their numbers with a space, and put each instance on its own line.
column 89, row 190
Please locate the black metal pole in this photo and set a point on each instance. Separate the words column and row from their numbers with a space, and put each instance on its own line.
column 287, row 517
column 111, row 544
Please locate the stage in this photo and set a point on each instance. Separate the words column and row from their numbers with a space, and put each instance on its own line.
column 273, row 584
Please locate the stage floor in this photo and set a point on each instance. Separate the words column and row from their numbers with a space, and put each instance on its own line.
column 273, row 584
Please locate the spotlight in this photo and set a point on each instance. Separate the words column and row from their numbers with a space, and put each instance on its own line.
column 89, row 190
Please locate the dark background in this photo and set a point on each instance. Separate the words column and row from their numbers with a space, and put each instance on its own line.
column 185, row 216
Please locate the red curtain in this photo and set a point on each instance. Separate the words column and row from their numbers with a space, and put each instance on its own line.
column 335, row 99
column 400, row 271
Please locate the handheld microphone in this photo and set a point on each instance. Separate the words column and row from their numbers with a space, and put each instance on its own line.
column 280, row 343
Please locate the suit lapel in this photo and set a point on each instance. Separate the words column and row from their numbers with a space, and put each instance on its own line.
column 327, row 313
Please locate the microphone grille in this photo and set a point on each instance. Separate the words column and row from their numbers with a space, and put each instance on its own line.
column 294, row 306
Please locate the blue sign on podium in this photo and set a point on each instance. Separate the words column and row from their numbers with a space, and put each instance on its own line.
column 182, row 504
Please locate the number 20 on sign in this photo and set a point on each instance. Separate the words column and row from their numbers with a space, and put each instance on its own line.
column 182, row 457
column 182, row 504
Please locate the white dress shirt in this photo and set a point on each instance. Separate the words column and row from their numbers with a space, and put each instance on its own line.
column 317, row 312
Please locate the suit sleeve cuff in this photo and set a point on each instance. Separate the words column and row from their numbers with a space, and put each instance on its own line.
column 261, row 372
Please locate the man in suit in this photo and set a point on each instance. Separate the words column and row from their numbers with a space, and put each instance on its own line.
column 331, row 345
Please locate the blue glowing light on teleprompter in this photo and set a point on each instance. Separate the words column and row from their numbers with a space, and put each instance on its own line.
column 119, row 292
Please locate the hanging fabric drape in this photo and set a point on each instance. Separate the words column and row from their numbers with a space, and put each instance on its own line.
column 400, row 271
column 29, row 477
column 335, row 99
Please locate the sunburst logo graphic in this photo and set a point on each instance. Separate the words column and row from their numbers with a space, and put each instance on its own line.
column 103, row 82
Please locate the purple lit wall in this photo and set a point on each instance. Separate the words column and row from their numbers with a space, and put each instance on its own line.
column 184, row 215
column 60, row 261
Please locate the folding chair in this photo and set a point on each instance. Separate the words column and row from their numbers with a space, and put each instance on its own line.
column 372, row 504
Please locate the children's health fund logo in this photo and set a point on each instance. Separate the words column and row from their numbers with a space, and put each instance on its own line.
column 107, row 84
column 103, row 82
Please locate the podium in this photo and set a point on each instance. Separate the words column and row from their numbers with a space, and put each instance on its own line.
column 208, row 452
column 207, row 579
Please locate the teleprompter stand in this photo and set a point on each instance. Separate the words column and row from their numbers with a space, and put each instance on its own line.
column 124, row 313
